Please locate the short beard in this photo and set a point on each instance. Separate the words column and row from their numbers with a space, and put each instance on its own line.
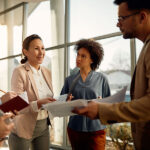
column 128, row 36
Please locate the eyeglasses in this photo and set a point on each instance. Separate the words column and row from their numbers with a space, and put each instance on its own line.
column 122, row 18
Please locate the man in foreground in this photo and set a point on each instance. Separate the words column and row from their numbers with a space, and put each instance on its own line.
column 134, row 22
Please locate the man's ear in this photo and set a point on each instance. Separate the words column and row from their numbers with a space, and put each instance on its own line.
column 143, row 16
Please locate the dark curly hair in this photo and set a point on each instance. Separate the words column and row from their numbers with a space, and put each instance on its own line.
column 135, row 4
column 94, row 48
column 26, row 44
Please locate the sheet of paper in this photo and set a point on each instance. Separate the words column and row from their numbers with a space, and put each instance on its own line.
column 61, row 97
column 63, row 108
column 116, row 98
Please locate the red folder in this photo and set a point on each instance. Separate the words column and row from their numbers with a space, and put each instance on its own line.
column 16, row 103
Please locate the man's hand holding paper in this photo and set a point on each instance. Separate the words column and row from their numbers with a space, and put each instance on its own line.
column 92, row 109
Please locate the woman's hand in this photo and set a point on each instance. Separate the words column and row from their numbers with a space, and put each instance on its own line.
column 99, row 97
column 69, row 97
column 44, row 101
column 8, row 96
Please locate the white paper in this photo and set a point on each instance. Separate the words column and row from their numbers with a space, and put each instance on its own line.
column 63, row 108
column 116, row 98
column 61, row 97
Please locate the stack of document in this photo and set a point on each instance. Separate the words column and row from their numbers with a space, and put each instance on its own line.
column 61, row 107
column 116, row 98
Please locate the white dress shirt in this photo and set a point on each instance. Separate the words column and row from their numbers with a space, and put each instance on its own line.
column 43, row 91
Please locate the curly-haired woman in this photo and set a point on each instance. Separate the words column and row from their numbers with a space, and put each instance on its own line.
column 83, row 132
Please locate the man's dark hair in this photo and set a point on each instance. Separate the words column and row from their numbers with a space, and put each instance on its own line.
column 94, row 48
column 135, row 4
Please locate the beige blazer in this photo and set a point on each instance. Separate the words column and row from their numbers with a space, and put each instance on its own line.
column 139, row 109
column 22, row 80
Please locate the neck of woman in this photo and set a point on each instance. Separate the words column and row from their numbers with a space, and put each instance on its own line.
column 36, row 66
column 84, row 72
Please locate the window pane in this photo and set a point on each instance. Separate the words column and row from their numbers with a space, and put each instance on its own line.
column 11, row 32
column 116, row 63
column 47, row 20
column 54, row 60
column 116, row 54
column 3, row 41
column 92, row 18
column 6, row 70
column 17, row 39
column 4, row 75
column 39, row 21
